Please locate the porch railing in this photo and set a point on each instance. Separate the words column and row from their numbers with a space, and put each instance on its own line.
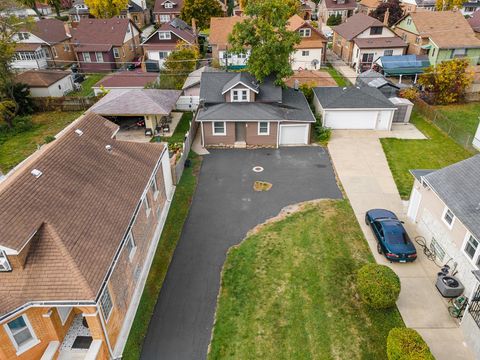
column 474, row 308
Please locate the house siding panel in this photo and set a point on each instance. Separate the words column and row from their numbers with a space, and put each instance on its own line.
column 252, row 137
column 106, row 66
column 216, row 140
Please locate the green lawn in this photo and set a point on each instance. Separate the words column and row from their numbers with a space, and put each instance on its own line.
column 341, row 81
column 288, row 292
column 181, row 129
column 436, row 152
column 168, row 241
column 87, row 84
column 15, row 146
column 464, row 116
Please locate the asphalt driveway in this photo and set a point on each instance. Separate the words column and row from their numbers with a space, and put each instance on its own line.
column 224, row 208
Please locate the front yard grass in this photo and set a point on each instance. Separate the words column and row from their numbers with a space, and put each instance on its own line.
column 288, row 292
column 464, row 116
column 438, row 151
column 15, row 146
column 163, row 255
column 87, row 84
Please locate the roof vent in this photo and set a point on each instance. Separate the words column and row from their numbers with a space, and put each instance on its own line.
column 478, row 207
column 79, row 132
column 344, row 89
column 108, row 148
column 37, row 173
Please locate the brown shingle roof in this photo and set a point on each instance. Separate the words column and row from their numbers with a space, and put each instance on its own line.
column 79, row 210
column 127, row 79
column 50, row 30
column 99, row 34
column 372, row 4
column 447, row 29
column 27, row 46
column 220, row 28
column 380, row 42
column 316, row 78
column 333, row 4
column 355, row 24
column 474, row 21
column 41, row 78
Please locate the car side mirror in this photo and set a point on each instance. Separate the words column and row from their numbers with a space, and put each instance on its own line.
column 403, row 222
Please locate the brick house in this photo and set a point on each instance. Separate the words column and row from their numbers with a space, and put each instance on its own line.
column 45, row 44
column 220, row 28
column 166, row 10
column 78, row 11
column 240, row 112
column 138, row 12
column 362, row 39
column 344, row 8
column 164, row 40
column 105, row 44
column 80, row 221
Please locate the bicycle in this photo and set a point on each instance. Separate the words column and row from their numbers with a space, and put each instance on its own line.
column 458, row 306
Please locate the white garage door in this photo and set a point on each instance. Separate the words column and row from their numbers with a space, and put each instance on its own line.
column 350, row 119
column 293, row 134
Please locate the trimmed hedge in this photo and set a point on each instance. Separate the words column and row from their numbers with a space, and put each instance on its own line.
column 378, row 286
column 407, row 344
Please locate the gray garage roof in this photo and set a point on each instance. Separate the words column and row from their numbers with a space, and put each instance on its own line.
column 294, row 107
column 458, row 186
column 351, row 98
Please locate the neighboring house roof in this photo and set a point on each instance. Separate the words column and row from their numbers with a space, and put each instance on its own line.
column 356, row 24
column 458, row 186
column 220, row 28
column 474, row 21
column 51, row 31
column 137, row 102
column 420, row 3
column 335, row 5
column 178, row 27
column 351, row 98
column 371, row 4
column 447, row 29
column 295, row 23
column 271, row 103
column 127, row 79
column 159, row 6
column 100, row 34
column 380, row 42
column 317, row 78
column 404, row 64
column 27, row 46
column 41, row 78
column 373, row 79
column 69, row 223
column 195, row 76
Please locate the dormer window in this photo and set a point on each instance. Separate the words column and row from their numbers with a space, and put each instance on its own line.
column 376, row 30
column 23, row 36
column 168, row 5
column 164, row 35
column 305, row 32
column 240, row 95
column 4, row 264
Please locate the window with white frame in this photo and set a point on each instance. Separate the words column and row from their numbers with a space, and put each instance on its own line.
column 409, row 21
column 240, row 95
column 164, row 18
column 154, row 188
column 162, row 55
column 305, row 53
column 130, row 245
column 123, row 52
column 106, row 303
column 471, row 247
column 23, row 36
column 168, row 5
column 146, row 205
column 164, row 35
column 66, row 47
column 459, row 53
column 305, row 32
column 86, row 57
column 21, row 333
column 54, row 51
column 4, row 263
column 75, row 18
column 448, row 217
column 388, row 53
column 116, row 54
column 219, row 128
column 263, row 128
column 99, row 56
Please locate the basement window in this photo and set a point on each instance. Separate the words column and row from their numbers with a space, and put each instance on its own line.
column 4, row 264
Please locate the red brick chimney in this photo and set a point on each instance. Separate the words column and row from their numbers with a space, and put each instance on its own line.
column 386, row 16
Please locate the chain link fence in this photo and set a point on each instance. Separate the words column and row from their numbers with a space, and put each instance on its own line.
column 459, row 135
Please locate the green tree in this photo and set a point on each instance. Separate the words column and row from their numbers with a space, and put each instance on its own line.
column 447, row 82
column 265, row 33
column 32, row 4
column 294, row 5
column 201, row 11
column 334, row 20
column 106, row 9
column 443, row 5
column 178, row 65
column 56, row 4
column 394, row 8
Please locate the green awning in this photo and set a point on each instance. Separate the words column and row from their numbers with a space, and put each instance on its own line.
column 426, row 47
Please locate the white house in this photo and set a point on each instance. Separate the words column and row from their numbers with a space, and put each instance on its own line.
column 29, row 53
column 476, row 139
column 353, row 108
column 47, row 83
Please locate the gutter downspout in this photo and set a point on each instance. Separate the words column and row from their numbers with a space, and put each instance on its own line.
column 104, row 329
column 203, row 136
column 278, row 133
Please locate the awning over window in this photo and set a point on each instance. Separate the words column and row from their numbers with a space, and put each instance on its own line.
column 426, row 47
column 403, row 64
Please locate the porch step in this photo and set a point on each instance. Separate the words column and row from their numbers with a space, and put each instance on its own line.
column 239, row 144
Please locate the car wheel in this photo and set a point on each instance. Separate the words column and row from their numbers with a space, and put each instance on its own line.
column 366, row 220
column 379, row 248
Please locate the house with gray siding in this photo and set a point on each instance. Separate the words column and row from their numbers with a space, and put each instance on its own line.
column 445, row 206
column 238, row 111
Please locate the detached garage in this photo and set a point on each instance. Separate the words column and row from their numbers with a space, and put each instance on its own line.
column 353, row 108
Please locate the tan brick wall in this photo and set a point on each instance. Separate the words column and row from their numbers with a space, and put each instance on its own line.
column 219, row 140
column 413, row 49
column 252, row 137
column 65, row 56
column 342, row 47
column 129, row 51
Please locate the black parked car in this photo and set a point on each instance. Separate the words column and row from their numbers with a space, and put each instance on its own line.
column 392, row 239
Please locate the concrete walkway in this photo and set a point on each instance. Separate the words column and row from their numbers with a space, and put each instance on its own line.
column 363, row 170
column 197, row 144
column 341, row 66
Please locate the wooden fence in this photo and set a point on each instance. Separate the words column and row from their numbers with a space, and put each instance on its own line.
column 178, row 164
column 66, row 103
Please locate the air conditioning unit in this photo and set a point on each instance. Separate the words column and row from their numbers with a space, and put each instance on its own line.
column 449, row 286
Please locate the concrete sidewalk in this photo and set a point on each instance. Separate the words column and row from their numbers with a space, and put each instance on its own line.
column 341, row 66
column 363, row 170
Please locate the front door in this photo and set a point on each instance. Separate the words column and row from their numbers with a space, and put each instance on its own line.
column 240, row 131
